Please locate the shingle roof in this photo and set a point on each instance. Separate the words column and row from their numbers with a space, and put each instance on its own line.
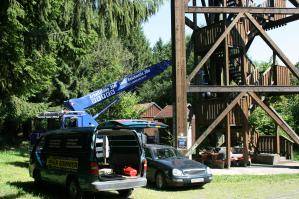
column 166, row 112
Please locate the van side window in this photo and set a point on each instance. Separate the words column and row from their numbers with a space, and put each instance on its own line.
column 75, row 142
column 54, row 143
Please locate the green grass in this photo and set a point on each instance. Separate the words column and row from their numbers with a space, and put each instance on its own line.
column 16, row 183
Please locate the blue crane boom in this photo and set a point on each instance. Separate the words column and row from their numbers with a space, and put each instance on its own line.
column 128, row 83
column 78, row 106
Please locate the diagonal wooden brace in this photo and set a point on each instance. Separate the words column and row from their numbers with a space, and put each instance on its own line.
column 278, row 119
column 215, row 123
column 214, row 47
column 273, row 46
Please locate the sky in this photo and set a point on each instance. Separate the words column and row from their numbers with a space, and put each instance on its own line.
column 286, row 37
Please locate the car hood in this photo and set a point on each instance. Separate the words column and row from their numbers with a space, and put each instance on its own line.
column 181, row 163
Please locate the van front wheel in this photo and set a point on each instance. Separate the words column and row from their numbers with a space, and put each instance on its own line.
column 37, row 177
column 125, row 193
column 73, row 189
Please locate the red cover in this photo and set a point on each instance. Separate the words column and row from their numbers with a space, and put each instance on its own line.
column 129, row 171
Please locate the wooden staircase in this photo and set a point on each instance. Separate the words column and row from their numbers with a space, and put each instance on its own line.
column 209, row 109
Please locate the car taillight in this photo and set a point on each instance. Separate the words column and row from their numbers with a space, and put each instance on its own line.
column 94, row 169
column 144, row 165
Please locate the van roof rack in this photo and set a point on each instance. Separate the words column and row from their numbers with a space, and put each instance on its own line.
column 131, row 123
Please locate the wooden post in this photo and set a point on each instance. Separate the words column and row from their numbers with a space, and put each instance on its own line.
column 179, row 68
column 226, row 52
column 292, row 152
column 245, row 131
column 277, row 141
column 228, row 142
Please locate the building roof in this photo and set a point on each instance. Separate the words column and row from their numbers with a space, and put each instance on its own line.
column 146, row 106
column 166, row 112
column 148, row 109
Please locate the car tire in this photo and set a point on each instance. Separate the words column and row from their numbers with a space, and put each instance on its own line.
column 125, row 193
column 160, row 181
column 73, row 189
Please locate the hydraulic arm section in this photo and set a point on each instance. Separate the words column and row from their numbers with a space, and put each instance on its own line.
column 78, row 106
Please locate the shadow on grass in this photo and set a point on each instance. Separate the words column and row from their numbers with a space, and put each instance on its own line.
column 151, row 186
column 51, row 191
column 45, row 191
column 19, row 164
column 12, row 196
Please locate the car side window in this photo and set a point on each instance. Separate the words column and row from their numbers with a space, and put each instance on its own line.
column 148, row 153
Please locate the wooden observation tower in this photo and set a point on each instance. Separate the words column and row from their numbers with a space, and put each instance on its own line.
column 226, row 84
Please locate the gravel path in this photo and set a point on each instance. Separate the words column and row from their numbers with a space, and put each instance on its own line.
column 260, row 169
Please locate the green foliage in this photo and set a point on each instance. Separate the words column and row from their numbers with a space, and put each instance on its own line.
column 53, row 50
column 126, row 108
column 159, row 88
column 139, row 46
column 19, row 110
column 287, row 107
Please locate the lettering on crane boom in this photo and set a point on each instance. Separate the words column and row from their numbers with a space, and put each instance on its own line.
column 101, row 94
column 62, row 163
column 110, row 90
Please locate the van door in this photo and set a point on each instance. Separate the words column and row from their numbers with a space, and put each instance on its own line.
column 124, row 150
column 54, row 156
column 40, row 156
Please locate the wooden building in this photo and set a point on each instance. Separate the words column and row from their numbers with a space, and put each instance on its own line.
column 148, row 111
column 224, row 84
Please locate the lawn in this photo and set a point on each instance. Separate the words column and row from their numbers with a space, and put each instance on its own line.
column 16, row 183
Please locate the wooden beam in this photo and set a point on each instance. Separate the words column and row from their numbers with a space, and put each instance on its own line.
column 214, row 47
column 215, row 123
column 191, row 24
column 273, row 46
column 253, row 10
column 295, row 2
column 179, row 68
column 237, row 89
column 274, row 115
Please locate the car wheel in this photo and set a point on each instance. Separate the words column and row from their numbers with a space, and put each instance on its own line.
column 125, row 193
column 73, row 189
column 160, row 181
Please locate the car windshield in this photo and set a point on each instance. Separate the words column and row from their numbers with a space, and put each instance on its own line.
column 165, row 153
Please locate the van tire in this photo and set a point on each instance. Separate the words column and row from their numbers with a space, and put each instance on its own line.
column 73, row 189
column 37, row 177
column 125, row 193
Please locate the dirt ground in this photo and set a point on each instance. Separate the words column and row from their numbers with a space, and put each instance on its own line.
column 260, row 169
